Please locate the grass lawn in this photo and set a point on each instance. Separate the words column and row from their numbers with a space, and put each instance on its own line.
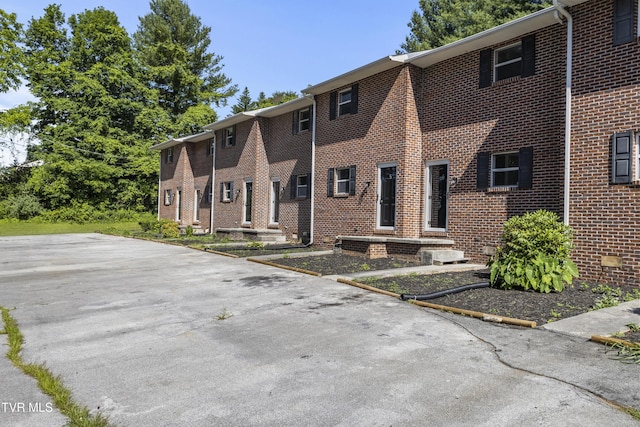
column 23, row 228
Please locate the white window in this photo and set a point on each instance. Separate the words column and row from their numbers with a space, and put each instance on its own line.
column 304, row 119
column 301, row 186
column 227, row 191
column 230, row 136
column 342, row 181
column 344, row 102
column 505, row 169
column 169, row 155
column 508, row 62
column 168, row 197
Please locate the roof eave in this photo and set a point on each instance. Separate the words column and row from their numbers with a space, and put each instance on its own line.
column 382, row 64
column 177, row 141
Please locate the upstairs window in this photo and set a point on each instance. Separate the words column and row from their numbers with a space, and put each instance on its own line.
column 515, row 60
column 344, row 102
column 301, row 120
column 211, row 146
column 508, row 62
column 229, row 137
column 168, row 155
column 304, row 118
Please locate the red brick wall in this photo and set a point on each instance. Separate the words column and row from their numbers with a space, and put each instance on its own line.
column 459, row 119
column 372, row 136
column 606, row 95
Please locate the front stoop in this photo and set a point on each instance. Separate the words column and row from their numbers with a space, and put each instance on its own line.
column 429, row 251
column 442, row 257
column 258, row 235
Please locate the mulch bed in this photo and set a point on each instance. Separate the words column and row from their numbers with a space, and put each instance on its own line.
column 524, row 305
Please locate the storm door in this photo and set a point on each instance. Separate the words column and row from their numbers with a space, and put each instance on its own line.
column 437, row 178
column 387, row 196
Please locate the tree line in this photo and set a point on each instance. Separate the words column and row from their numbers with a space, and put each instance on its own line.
column 104, row 97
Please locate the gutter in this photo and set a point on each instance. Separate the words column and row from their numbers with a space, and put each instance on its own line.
column 568, row 97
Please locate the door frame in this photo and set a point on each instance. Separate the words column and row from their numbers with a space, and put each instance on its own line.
column 274, row 202
column 379, row 196
column 247, row 201
column 428, row 196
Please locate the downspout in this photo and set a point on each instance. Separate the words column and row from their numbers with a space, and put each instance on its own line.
column 313, row 172
column 568, row 97
column 160, row 186
column 213, row 179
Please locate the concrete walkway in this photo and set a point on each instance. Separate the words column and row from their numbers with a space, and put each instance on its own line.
column 152, row 334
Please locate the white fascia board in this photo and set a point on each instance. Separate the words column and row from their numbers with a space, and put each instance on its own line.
column 177, row 141
column 487, row 38
column 232, row 120
column 383, row 64
column 286, row 107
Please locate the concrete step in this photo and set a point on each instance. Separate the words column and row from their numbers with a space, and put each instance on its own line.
column 442, row 257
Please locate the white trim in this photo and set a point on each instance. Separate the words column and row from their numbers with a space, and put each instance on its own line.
column 244, row 201
column 179, row 204
column 381, row 166
column 338, row 181
column 306, row 186
column 273, row 199
column 497, row 65
column 429, row 196
column 493, row 169
column 340, row 103
column 196, row 205
column 637, row 157
column 307, row 120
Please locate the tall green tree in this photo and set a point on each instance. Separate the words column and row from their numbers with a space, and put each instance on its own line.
column 245, row 103
column 11, row 55
column 96, row 119
column 439, row 22
column 173, row 46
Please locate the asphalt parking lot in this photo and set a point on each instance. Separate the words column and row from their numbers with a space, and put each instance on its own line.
column 157, row 335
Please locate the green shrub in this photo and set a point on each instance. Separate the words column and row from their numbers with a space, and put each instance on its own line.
column 170, row 229
column 534, row 254
column 189, row 231
column 23, row 206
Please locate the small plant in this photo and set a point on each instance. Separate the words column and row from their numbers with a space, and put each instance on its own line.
column 534, row 254
column 255, row 245
column 224, row 315
column 189, row 231
column 633, row 327
column 633, row 295
column 365, row 267
column 170, row 230
column 627, row 353
column 555, row 314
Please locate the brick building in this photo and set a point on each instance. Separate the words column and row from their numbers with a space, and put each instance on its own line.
column 427, row 154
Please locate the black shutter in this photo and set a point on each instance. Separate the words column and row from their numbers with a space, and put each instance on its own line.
column 528, row 55
column 330, row 177
column 294, row 127
column 482, row 172
column 623, row 30
column 525, row 165
column 333, row 103
column 293, row 183
column 354, row 99
column 308, row 186
column 621, row 158
column 231, row 191
column 485, row 68
column 352, row 180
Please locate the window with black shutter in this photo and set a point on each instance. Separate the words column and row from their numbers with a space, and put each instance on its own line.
column 344, row 102
column 621, row 158
column 623, row 17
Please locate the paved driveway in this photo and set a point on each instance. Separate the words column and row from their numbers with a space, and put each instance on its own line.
column 135, row 329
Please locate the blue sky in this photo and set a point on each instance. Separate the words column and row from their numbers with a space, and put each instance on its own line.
column 269, row 45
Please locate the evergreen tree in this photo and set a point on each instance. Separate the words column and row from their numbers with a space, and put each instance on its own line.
column 95, row 117
column 245, row 103
column 172, row 44
column 439, row 22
